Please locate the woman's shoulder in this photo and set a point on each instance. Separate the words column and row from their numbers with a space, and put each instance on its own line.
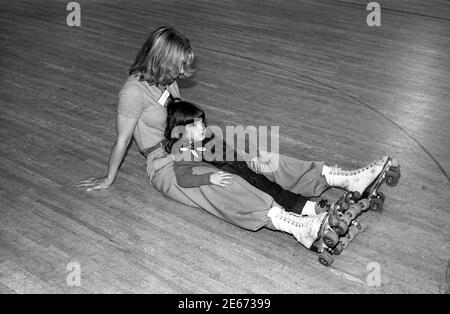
column 132, row 86
column 131, row 102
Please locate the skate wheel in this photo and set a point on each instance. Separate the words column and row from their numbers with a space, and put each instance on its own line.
column 326, row 259
column 364, row 204
column 346, row 219
column 356, row 195
column 381, row 196
column 345, row 242
column 338, row 249
column 353, row 231
column 350, row 196
column 353, row 211
column 344, row 206
column 361, row 227
column 333, row 220
column 392, row 177
column 397, row 171
column 351, row 214
column 342, row 228
column 376, row 204
column 395, row 163
column 333, row 210
column 330, row 238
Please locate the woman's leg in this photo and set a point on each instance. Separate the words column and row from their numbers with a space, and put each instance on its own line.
column 239, row 203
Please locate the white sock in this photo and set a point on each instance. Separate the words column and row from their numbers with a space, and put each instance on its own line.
column 309, row 209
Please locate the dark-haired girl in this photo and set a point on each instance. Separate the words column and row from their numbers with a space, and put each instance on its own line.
column 187, row 139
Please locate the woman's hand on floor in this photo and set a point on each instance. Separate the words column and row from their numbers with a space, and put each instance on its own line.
column 221, row 178
column 95, row 183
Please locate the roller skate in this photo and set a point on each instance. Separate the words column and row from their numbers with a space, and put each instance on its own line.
column 308, row 230
column 327, row 237
column 350, row 206
column 343, row 226
column 355, row 180
column 346, row 209
column 391, row 175
column 326, row 256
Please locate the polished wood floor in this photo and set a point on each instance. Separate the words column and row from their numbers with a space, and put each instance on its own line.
column 340, row 91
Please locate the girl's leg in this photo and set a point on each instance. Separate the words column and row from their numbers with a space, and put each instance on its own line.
column 298, row 176
column 356, row 179
column 311, row 178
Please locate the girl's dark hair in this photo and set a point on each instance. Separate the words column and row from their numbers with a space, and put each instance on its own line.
column 163, row 57
column 179, row 114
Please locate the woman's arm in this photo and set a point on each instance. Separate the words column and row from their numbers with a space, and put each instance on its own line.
column 125, row 129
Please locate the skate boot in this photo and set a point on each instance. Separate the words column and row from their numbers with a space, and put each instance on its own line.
column 354, row 180
column 306, row 229
column 321, row 206
column 314, row 208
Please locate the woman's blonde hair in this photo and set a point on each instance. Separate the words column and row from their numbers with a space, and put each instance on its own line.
column 165, row 56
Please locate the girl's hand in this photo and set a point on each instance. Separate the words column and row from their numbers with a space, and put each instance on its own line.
column 220, row 178
column 95, row 183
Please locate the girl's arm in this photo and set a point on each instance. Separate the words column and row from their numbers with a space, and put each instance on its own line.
column 125, row 128
column 187, row 179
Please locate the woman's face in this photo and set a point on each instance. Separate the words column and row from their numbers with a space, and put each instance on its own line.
column 196, row 131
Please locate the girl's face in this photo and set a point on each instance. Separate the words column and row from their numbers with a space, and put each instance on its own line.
column 195, row 131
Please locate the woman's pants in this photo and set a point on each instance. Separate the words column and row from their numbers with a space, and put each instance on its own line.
column 239, row 203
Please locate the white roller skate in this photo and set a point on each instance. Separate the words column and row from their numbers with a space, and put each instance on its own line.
column 306, row 229
column 355, row 180
column 314, row 208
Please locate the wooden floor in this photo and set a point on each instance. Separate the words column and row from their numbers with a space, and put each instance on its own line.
column 340, row 91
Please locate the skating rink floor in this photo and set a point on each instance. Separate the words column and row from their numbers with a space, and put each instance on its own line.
column 340, row 91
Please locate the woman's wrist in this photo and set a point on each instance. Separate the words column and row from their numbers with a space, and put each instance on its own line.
column 110, row 179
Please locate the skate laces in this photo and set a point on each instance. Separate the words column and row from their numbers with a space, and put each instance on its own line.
column 340, row 172
column 290, row 218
